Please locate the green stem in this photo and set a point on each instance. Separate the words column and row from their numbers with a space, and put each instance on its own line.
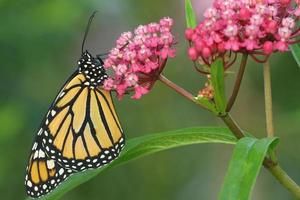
column 273, row 167
column 268, row 99
column 178, row 89
column 233, row 126
column 269, row 164
column 238, row 82
column 285, row 180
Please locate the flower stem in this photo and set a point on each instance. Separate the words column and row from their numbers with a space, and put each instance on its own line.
column 237, row 83
column 285, row 180
column 269, row 164
column 178, row 89
column 268, row 99
column 233, row 126
column 175, row 87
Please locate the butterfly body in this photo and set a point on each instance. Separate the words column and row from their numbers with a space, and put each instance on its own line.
column 92, row 69
column 81, row 130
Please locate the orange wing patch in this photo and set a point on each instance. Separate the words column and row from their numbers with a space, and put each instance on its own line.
column 77, row 80
column 79, row 110
column 110, row 117
column 91, row 144
column 62, row 133
column 68, row 97
column 68, row 148
column 56, row 122
column 101, row 132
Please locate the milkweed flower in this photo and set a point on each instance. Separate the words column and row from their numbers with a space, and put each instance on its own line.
column 139, row 57
column 256, row 27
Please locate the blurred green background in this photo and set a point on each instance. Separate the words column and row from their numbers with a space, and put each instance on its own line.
column 40, row 44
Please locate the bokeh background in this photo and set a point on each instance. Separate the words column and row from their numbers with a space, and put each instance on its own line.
column 40, row 44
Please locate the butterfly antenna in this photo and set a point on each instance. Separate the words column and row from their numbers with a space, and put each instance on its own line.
column 87, row 30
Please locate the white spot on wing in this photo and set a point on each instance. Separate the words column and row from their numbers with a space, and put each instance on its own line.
column 61, row 171
column 36, row 153
column 34, row 146
column 53, row 112
column 40, row 131
column 62, row 94
column 50, row 164
column 41, row 154
column 29, row 184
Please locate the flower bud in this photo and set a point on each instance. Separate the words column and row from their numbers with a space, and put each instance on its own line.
column 192, row 53
column 268, row 47
column 189, row 33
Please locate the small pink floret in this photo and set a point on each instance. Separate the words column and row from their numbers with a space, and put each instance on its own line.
column 189, row 33
column 192, row 53
column 268, row 47
column 139, row 92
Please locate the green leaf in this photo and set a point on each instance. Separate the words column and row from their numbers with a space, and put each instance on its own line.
column 296, row 53
column 244, row 167
column 217, row 80
column 145, row 145
column 207, row 104
column 191, row 21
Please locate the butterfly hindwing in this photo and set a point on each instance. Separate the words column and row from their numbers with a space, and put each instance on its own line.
column 43, row 174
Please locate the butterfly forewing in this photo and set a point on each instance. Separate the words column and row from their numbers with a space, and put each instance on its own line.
column 82, row 129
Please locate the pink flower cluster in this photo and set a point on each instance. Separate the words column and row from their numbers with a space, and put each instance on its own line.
column 139, row 58
column 251, row 26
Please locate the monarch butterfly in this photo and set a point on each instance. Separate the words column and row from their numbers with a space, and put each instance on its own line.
column 80, row 131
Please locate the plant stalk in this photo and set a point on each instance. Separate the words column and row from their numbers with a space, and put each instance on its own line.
column 233, row 126
column 269, row 164
column 285, row 180
column 178, row 89
column 268, row 99
column 238, row 82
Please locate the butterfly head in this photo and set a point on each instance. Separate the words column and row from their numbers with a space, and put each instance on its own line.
column 92, row 68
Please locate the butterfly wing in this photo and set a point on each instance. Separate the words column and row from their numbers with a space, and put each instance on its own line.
column 43, row 174
column 82, row 130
